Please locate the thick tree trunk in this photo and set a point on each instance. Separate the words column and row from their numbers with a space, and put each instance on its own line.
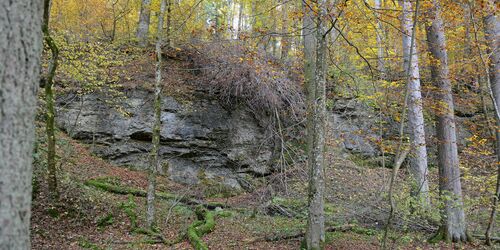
column 155, row 161
column 418, row 156
column 49, row 99
column 143, row 25
column 492, row 35
column 315, row 231
column 20, row 49
column 380, row 42
column 453, row 217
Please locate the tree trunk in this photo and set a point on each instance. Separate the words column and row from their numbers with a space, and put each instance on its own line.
column 49, row 99
column 20, row 49
column 315, row 231
column 168, row 39
column 285, row 41
column 155, row 161
column 492, row 35
column 453, row 217
column 380, row 42
column 143, row 25
column 240, row 20
column 418, row 156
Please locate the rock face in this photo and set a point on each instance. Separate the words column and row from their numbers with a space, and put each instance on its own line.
column 199, row 138
column 354, row 127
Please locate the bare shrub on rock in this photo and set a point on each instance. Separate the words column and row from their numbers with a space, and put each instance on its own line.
column 238, row 74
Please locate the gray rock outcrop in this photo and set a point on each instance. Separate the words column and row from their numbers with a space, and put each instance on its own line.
column 198, row 137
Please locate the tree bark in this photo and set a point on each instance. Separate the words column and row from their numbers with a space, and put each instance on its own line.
column 418, row 155
column 315, row 231
column 240, row 19
column 285, row 41
column 155, row 161
column 49, row 99
column 492, row 35
column 20, row 49
column 380, row 42
column 453, row 217
column 168, row 39
column 143, row 25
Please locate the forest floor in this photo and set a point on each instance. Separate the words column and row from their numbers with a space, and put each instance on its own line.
column 87, row 217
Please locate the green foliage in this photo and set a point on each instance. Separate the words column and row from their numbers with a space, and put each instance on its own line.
column 86, row 244
column 409, row 208
column 129, row 209
column 362, row 230
column 182, row 211
column 87, row 66
column 298, row 207
column 53, row 212
column 105, row 221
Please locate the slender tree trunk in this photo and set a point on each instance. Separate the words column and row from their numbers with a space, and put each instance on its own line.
column 285, row 41
column 49, row 99
column 453, row 217
column 492, row 35
column 20, row 49
column 470, row 28
column 309, row 74
column 272, row 38
column 418, row 156
column 240, row 19
column 143, row 25
column 155, row 161
column 168, row 39
column 380, row 42
column 315, row 232
column 253, row 16
column 113, row 31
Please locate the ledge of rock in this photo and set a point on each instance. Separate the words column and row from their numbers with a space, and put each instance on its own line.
column 198, row 137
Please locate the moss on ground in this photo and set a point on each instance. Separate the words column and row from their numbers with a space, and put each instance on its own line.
column 118, row 189
column 204, row 225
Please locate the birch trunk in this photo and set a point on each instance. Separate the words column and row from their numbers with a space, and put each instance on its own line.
column 315, row 232
column 20, row 49
column 155, row 162
column 143, row 25
column 418, row 156
column 492, row 35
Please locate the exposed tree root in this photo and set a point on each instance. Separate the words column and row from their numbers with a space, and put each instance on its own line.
column 141, row 193
column 441, row 235
column 482, row 237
